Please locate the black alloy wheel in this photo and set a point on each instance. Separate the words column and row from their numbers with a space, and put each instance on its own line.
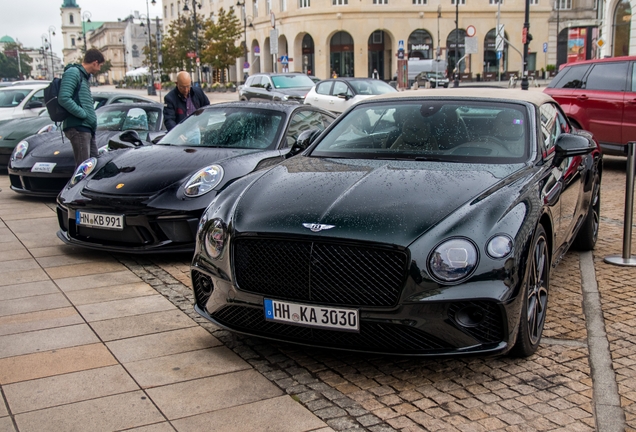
column 535, row 297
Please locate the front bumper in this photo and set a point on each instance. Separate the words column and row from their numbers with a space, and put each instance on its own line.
column 37, row 185
column 145, row 231
column 452, row 322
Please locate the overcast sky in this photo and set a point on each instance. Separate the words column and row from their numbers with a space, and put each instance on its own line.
column 28, row 20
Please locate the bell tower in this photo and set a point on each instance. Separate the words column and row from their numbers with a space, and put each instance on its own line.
column 71, row 30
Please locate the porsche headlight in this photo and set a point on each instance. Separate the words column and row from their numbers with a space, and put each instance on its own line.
column 48, row 128
column 84, row 169
column 204, row 181
column 215, row 238
column 20, row 150
column 499, row 246
column 453, row 260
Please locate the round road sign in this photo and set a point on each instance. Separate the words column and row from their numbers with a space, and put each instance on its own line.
column 471, row 31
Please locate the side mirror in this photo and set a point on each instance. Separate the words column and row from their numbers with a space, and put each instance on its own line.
column 34, row 104
column 268, row 87
column 155, row 137
column 344, row 96
column 568, row 145
column 126, row 139
column 305, row 139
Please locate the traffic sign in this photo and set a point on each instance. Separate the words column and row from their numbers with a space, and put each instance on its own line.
column 246, row 65
column 400, row 45
column 273, row 41
column 600, row 42
column 257, row 51
column 499, row 40
column 471, row 31
column 284, row 59
column 191, row 54
column 545, row 47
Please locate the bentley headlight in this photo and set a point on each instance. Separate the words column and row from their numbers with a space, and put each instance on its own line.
column 453, row 260
column 20, row 150
column 204, row 181
column 48, row 128
column 499, row 246
column 215, row 238
column 83, row 170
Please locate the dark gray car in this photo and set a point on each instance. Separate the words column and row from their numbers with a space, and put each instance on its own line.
column 276, row 87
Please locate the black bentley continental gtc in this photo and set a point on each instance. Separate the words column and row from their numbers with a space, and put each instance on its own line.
column 419, row 223
column 150, row 198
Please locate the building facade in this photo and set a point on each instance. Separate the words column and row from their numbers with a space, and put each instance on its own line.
column 351, row 38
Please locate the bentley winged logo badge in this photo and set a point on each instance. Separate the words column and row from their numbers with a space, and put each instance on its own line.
column 314, row 227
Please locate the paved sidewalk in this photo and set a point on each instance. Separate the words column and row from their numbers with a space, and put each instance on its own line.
column 85, row 344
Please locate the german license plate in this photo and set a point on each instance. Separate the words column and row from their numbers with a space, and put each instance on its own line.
column 43, row 167
column 99, row 220
column 312, row 316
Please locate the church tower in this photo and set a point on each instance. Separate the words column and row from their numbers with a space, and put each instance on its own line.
column 71, row 31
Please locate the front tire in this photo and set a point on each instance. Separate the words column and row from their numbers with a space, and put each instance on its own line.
column 588, row 233
column 535, row 297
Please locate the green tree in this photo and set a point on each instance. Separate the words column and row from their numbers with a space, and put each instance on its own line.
column 221, row 50
column 178, row 41
column 9, row 62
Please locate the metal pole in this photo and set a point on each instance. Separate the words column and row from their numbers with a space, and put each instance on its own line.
column 438, row 50
column 151, row 83
column 497, row 34
column 52, row 30
column 526, row 43
column 627, row 259
column 557, row 35
column 196, row 40
column 456, row 72
column 158, row 38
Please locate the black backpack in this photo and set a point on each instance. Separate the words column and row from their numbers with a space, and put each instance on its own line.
column 56, row 111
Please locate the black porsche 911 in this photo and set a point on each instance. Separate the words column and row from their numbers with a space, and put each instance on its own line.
column 150, row 198
column 419, row 223
column 41, row 165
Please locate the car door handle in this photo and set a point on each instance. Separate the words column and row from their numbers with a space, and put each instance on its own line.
column 582, row 97
column 633, row 101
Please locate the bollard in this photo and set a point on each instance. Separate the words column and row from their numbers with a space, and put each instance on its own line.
column 627, row 259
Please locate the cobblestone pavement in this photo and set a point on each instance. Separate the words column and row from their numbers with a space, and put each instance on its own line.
column 551, row 390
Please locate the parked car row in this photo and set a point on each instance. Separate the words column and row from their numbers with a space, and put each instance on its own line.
column 330, row 231
column 335, row 95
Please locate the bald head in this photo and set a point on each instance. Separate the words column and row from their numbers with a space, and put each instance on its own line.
column 183, row 83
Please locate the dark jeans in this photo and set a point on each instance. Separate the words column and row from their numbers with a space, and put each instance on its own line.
column 83, row 143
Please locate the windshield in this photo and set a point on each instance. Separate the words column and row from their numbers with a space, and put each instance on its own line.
column 450, row 131
column 292, row 81
column 121, row 119
column 250, row 128
column 371, row 87
column 10, row 98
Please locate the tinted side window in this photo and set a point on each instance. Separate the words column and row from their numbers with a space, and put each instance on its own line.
column 550, row 126
column 302, row 121
column 324, row 88
column 570, row 77
column 607, row 76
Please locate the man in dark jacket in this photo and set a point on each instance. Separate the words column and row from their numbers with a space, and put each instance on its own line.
column 182, row 100
column 79, row 127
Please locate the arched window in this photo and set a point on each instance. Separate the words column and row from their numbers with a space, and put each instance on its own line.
column 341, row 54
column 71, row 19
column 420, row 45
column 622, row 25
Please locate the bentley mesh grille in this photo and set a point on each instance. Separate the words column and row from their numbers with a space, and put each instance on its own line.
column 378, row 337
column 323, row 273
column 203, row 287
column 489, row 329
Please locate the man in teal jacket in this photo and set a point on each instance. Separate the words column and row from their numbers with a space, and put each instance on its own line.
column 79, row 127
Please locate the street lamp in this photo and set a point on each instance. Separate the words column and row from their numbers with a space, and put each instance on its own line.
column 245, row 19
column 52, row 32
column 86, row 18
column 456, row 71
column 195, row 4
column 45, row 47
column 526, row 43
column 151, row 81
column 558, row 9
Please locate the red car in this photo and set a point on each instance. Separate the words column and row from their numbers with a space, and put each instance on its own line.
column 600, row 96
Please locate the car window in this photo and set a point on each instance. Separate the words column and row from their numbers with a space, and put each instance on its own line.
column 570, row 77
column 292, row 81
column 551, row 125
column 324, row 88
column 11, row 98
column 341, row 88
column 420, row 131
column 250, row 81
column 371, row 87
column 607, row 76
column 302, row 121
column 38, row 97
column 136, row 119
column 123, row 100
column 99, row 102
column 633, row 77
column 228, row 127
